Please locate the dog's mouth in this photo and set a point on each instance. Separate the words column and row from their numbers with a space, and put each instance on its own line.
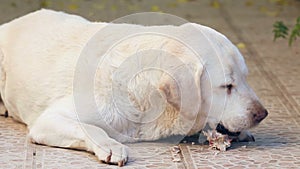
column 221, row 129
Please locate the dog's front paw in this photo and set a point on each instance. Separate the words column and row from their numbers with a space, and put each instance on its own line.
column 115, row 153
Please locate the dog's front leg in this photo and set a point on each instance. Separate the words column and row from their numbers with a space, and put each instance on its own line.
column 54, row 128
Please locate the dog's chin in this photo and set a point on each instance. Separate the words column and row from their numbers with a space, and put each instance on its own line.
column 235, row 125
column 222, row 129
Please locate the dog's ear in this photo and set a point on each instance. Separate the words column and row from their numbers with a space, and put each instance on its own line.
column 181, row 88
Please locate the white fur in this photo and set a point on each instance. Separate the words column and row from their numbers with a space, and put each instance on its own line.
column 39, row 53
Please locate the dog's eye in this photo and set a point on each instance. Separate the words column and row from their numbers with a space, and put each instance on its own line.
column 228, row 87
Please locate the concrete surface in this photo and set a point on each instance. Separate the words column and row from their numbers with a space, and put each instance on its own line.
column 274, row 75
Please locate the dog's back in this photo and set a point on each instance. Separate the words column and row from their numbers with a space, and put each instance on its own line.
column 29, row 46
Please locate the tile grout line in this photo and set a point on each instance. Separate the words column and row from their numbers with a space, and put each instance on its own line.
column 186, row 157
column 289, row 101
column 28, row 158
column 43, row 161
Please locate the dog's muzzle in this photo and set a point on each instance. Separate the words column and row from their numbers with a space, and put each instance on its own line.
column 257, row 113
column 259, row 116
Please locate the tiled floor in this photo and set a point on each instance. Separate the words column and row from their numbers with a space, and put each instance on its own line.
column 274, row 75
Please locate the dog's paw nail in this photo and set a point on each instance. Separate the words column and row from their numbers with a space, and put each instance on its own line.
column 108, row 158
column 121, row 163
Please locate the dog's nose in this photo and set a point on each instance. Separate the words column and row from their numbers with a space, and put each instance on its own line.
column 260, row 115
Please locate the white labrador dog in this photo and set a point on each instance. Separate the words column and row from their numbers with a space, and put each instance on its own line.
column 43, row 52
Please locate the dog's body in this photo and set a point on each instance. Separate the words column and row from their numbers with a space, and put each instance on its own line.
column 39, row 53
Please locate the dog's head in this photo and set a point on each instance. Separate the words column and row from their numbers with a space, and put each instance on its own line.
column 226, row 95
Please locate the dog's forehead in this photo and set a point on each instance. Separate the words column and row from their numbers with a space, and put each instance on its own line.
column 223, row 58
column 227, row 68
